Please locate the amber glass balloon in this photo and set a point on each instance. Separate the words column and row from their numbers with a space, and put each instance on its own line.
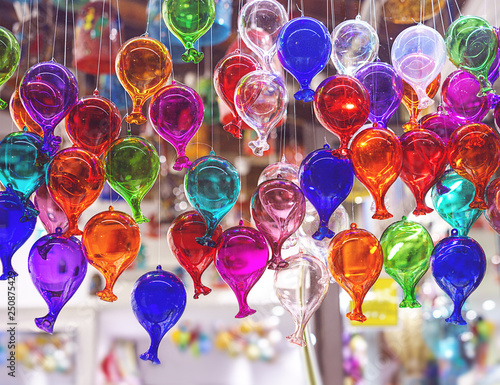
column 355, row 259
column 143, row 66
column 111, row 242
column 474, row 153
column 20, row 117
column 410, row 101
column 377, row 158
column 75, row 178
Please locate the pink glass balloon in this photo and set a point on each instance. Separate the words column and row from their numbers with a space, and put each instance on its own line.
column 51, row 215
column 301, row 288
column 278, row 208
column 497, row 116
column 242, row 256
column 492, row 213
column 176, row 112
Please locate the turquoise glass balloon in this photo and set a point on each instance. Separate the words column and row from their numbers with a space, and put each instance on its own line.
column 212, row 186
column 407, row 247
column 451, row 197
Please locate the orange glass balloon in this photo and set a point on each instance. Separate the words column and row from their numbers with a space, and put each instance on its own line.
column 75, row 178
column 143, row 66
column 377, row 159
column 474, row 153
column 355, row 259
column 21, row 117
column 111, row 242
column 410, row 101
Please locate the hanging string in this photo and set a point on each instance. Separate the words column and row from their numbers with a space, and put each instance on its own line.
column 359, row 8
column 386, row 30
column 19, row 66
column 74, row 34
column 332, row 10
column 375, row 19
column 55, row 31
column 129, row 128
column 29, row 34
column 449, row 11
column 148, row 8
column 212, row 99
column 441, row 15
column 458, row 8
column 65, row 33
column 433, row 16
column 96, row 92
column 38, row 31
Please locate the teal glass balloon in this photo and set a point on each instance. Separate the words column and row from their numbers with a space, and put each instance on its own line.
column 472, row 44
column 407, row 248
column 132, row 165
column 23, row 165
column 451, row 197
column 10, row 54
column 212, row 186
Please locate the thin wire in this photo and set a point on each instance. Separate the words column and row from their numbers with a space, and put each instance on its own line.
column 147, row 22
column 441, row 15
column 29, row 34
column 100, row 47
column 159, row 202
column 386, row 30
column 74, row 34
column 19, row 67
column 212, row 99
column 65, row 32
column 38, row 33
column 55, row 30
column 359, row 8
column 459, row 11
column 129, row 129
column 433, row 16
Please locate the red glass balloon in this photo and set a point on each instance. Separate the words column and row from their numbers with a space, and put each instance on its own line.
column 355, row 259
column 341, row 104
column 192, row 256
column 93, row 124
column 474, row 153
column 75, row 178
column 424, row 161
column 377, row 158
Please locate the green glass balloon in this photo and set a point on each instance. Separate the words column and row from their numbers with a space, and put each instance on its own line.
column 407, row 247
column 132, row 166
column 451, row 197
column 10, row 54
column 189, row 20
column 472, row 44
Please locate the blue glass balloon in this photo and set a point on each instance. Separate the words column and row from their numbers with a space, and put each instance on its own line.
column 158, row 301
column 23, row 165
column 304, row 48
column 451, row 196
column 212, row 186
column 385, row 88
column 326, row 179
column 14, row 230
column 458, row 265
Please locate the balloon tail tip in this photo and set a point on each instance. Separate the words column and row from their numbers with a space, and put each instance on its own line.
column 245, row 312
column 150, row 357
column 200, row 289
column 107, row 295
column 46, row 323
column 306, row 95
column 422, row 209
column 479, row 204
column 382, row 214
column 296, row 340
column 355, row 316
column 182, row 162
column 323, row 232
column 234, row 128
column 258, row 147
column 192, row 55
column 9, row 274
column 136, row 118
column 205, row 241
column 277, row 263
column 140, row 218
column 3, row 104
column 410, row 303
column 456, row 319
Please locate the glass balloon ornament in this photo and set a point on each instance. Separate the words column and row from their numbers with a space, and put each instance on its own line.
column 227, row 74
column 51, row 215
column 377, row 159
column 259, row 24
column 93, row 124
column 492, row 213
column 111, row 241
column 407, row 247
column 451, row 197
column 192, row 256
column 280, row 170
column 188, row 21
column 474, row 153
column 132, row 166
column 494, row 71
column 301, row 288
column 355, row 260
column 342, row 104
column 10, row 54
column 278, row 208
column 57, row 267
column 75, row 179
column 143, row 66
column 176, row 113
column 48, row 92
column 458, row 264
column 355, row 44
column 158, row 300
column 304, row 47
column 385, row 89
column 324, row 192
column 241, row 259
column 212, row 186
column 14, row 230
column 410, row 101
column 472, row 44
column 418, row 56
column 440, row 123
column 261, row 100
column 424, row 161
column 20, row 117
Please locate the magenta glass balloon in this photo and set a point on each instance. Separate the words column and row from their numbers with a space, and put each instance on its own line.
column 496, row 117
column 492, row 213
column 440, row 123
column 459, row 96
column 176, row 112
column 51, row 215
column 278, row 208
column 48, row 92
column 242, row 257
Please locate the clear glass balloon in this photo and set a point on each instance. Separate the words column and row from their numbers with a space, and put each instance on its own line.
column 355, row 44
column 418, row 56
column 281, row 169
column 301, row 288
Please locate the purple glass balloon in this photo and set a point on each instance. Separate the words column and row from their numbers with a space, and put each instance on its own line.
column 494, row 71
column 385, row 88
column 57, row 266
column 48, row 92
column 51, row 215
column 242, row 256
column 176, row 112
column 459, row 96
column 496, row 117
column 439, row 123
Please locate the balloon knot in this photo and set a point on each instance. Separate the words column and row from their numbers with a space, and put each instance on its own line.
column 192, row 55
column 306, row 95
column 234, row 128
column 182, row 162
